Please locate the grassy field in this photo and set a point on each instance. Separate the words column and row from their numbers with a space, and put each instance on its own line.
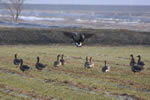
column 73, row 81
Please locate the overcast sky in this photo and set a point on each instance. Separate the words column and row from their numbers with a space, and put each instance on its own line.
column 101, row 2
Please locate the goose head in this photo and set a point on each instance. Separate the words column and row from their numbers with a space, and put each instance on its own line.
column 62, row 56
column 139, row 56
column 58, row 57
column 90, row 59
column 131, row 55
column 16, row 55
column 87, row 58
column 38, row 58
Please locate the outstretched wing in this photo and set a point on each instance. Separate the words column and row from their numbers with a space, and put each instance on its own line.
column 68, row 34
column 88, row 35
column 82, row 38
column 73, row 35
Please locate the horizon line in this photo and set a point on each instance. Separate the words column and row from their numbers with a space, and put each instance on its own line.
column 90, row 4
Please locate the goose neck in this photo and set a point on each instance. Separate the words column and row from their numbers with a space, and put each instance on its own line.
column 38, row 60
column 57, row 58
column 15, row 56
column 139, row 59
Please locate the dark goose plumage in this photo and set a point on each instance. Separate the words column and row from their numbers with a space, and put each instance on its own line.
column 16, row 61
column 57, row 63
column 23, row 67
column 62, row 60
column 78, row 38
column 105, row 68
column 132, row 62
column 140, row 63
column 134, row 66
column 39, row 65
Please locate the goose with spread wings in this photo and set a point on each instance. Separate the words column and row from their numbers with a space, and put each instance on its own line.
column 78, row 38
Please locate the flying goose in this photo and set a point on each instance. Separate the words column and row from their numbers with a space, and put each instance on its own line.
column 57, row 63
column 62, row 59
column 140, row 63
column 78, row 38
column 16, row 61
column 105, row 68
column 39, row 65
column 23, row 67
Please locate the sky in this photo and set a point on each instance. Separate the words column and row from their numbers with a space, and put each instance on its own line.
column 92, row 2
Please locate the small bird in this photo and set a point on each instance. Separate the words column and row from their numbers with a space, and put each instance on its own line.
column 140, row 63
column 78, row 38
column 57, row 63
column 132, row 62
column 39, row 65
column 62, row 59
column 23, row 68
column 105, row 68
column 16, row 61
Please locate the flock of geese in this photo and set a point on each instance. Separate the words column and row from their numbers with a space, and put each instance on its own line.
column 135, row 67
column 78, row 39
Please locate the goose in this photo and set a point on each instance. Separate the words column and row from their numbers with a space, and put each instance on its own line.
column 91, row 64
column 105, row 68
column 23, row 67
column 132, row 62
column 88, row 63
column 57, row 63
column 16, row 60
column 78, row 38
column 39, row 65
column 62, row 59
column 140, row 63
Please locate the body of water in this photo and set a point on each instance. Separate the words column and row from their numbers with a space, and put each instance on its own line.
column 83, row 14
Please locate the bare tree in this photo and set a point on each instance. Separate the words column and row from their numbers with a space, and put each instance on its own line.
column 14, row 7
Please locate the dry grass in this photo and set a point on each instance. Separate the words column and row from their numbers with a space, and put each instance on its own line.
column 73, row 81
